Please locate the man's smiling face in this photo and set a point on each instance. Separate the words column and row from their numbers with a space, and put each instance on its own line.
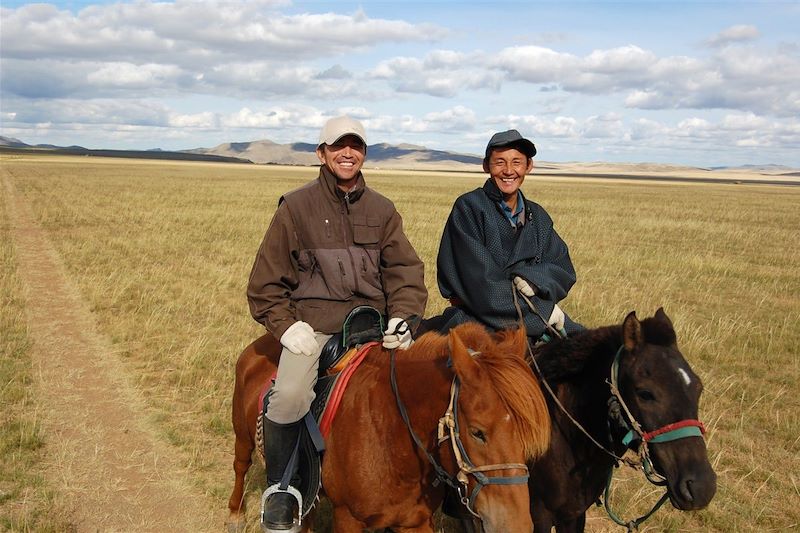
column 507, row 166
column 344, row 157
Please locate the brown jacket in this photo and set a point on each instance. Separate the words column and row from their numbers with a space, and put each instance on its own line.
column 327, row 252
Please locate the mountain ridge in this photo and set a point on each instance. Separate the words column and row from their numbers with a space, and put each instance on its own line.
column 381, row 155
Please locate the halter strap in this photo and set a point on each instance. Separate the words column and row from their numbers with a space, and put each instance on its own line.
column 449, row 423
column 441, row 474
column 674, row 431
column 670, row 432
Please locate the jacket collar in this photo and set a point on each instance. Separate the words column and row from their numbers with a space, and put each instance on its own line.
column 494, row 194
column 492, row 191
column 328, row 180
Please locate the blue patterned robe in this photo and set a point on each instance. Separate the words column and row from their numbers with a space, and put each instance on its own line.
column 481, row 252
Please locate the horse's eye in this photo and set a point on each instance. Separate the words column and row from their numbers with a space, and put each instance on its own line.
column 645, row 395
column 478, row 434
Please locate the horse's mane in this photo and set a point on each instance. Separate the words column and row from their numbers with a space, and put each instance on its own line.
column 561, row 359
column 501, row 357
column 592, row 348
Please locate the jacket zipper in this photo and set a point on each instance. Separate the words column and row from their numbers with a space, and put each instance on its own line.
column 347, row 242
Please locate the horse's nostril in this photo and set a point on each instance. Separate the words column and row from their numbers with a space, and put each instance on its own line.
column 686, row 490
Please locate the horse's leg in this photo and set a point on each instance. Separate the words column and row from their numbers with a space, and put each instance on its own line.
column 344, row 522
column 243, row 453
column 543, row 519
column 574, row 525
column 425, row 528
column 308, row 522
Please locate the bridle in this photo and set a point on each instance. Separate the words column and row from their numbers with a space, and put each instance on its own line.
column 448, row 428
column 669, row 432
column 634, row 458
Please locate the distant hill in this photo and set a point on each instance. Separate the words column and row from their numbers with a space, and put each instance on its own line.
column 403, row 156
column 759, row 168
column 265, row 151
column 406, row 156
column 413, row 157
column 9, row 144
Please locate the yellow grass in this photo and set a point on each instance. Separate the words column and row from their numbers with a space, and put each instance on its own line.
column 26, row 503
column 162, row 251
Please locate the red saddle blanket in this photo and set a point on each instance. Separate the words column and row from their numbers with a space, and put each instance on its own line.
column 336, row 393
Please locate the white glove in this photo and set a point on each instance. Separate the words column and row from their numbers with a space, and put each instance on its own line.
column 524, row 287
column 397, row 334
column 556, row 318
column 299, row 338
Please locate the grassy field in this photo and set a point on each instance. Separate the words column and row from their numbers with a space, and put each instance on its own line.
column 162, row 251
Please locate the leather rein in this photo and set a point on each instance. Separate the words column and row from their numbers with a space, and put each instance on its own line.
column 633, row 458
column 448, row 428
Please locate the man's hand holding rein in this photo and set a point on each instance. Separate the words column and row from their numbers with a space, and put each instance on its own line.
column 397, row 334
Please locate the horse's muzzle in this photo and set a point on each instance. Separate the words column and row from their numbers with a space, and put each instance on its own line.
column 694, row 489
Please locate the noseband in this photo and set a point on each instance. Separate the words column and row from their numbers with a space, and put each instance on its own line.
column 448, row 428
column 674, row 431
column 641, row 456
column 449, row 423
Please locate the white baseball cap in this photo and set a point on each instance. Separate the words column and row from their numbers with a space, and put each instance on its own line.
column 338, row 127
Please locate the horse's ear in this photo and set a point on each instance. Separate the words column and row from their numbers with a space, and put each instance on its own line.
column 520, row 340
column 662, row 316
column 631, row 331
column 464, row 366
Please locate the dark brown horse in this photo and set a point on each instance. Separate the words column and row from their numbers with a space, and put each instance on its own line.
column 374, row 473
column 661, row 392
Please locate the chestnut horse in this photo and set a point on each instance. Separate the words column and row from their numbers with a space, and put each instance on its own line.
column 658, row 392
column 374, row 473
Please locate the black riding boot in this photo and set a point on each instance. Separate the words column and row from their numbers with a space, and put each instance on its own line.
column 280, row 441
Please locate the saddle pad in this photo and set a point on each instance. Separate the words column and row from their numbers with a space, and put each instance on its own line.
column 341, row 384
column 328, row 390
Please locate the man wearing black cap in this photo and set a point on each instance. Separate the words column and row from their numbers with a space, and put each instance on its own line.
column 496, row 242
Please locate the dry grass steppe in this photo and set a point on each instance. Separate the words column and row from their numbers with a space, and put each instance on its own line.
column 161, row 252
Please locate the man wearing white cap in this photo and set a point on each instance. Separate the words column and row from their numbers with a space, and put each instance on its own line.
column 333, row 245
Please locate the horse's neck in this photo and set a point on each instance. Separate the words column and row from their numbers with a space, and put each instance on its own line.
column 423, row 387
column 583, row 357
column 579, row 369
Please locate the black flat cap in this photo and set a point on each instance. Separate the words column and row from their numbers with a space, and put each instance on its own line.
column 510, row 138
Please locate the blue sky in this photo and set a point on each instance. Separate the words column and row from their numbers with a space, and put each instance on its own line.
column 698, row 83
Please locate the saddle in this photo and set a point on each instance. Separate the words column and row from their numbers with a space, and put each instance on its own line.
column 340, row 356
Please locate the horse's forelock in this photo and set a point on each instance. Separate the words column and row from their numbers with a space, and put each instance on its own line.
column 509, row 374
column 519, row 391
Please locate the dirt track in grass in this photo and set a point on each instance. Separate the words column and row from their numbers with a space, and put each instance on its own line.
column 102, row 455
